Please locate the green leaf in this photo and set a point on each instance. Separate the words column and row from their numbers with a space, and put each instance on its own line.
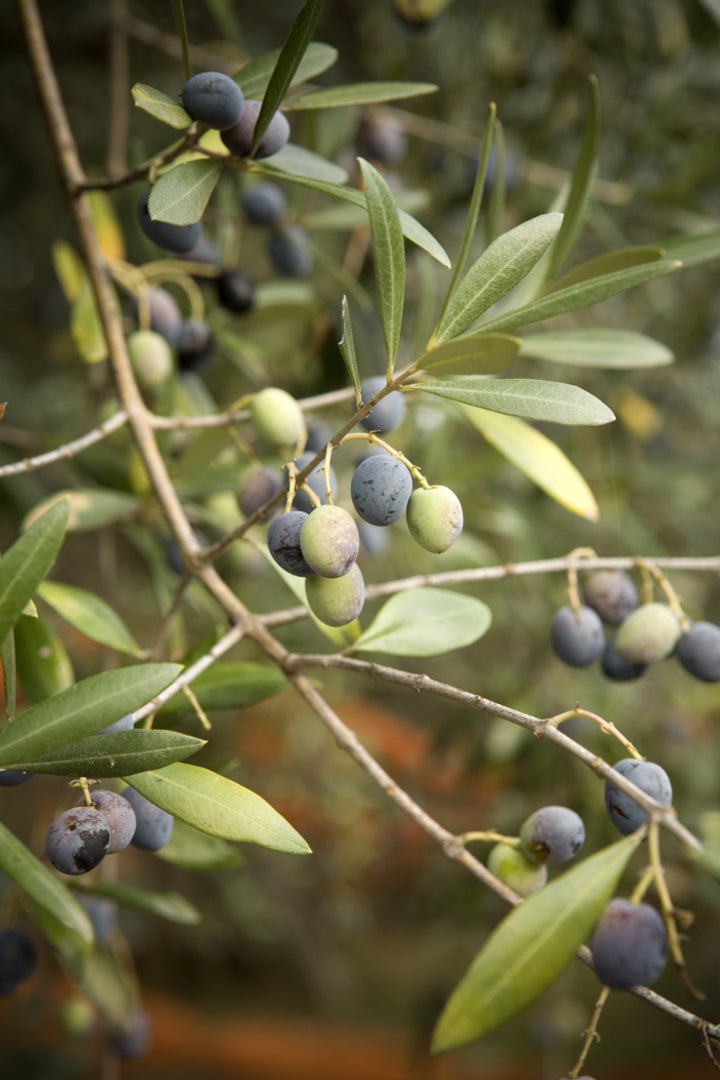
column 538, row 458
column 167, row 905
column 425, row 622
column 347, row 347
column 412, row 229
column 218, row 806
column 478, row 354
column 709, row 855
column 7, row 662
column 27, row 561
column 295, row 163
column 69, row 269
column 388, row 256
column 195, row 850
column 85, row 326
column 582, row 294
column 160, row 106
column 531, row 946
column 90, row 615
column 181, row 194
column 535, row 399
column 501, row 266
column 694, row 249
column 254, row 77
column 230, row 685
column 90, row 508
column 64, row 922
column 366, row 93
column 293, row 49
column 581, row 185
column 597, row 348
column 82, row 710
column 43, row 665
column 116, row 754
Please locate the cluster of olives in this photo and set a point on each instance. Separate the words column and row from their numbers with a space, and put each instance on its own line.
column 551, row 836
column 315, row 538
column 641, row 633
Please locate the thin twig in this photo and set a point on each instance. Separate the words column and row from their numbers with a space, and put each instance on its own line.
column 67, row 450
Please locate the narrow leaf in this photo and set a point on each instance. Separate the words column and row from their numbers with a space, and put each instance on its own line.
column 64, row 923
column 694, row 249
column 167, row 905
column 607, row 263
column 581, row 295
column 481, row 354
column 388, row 256
column 531, row 946
column 412, row 229
column 425, row 622
column 538, row 458
column 69, row 269
column 116, row 754
column 195, row 850
column 83, row 709
column 90, row 508
column 368, row 93
column 85, row 326
column 535, row 399
column 43, row 665
column 27, row 561
column 254, row 77
column 291, row 53
column 597, row 348
column 7, row 660
column 300, row 166
column 160, row 106
column 181, row 194
column 218, row 806
column 347, row 347
column 90, row 615
column 498, row 270
column 231, row 685
column 581, row 185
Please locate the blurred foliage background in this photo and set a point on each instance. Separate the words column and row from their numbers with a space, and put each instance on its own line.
column 367, row 936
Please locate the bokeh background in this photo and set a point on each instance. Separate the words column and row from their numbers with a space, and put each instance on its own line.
column 337, row 965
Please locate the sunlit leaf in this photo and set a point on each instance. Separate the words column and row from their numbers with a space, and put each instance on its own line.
column 27, row 561
column 498, row 270
column 531, row 946
column 181, row 194
column 160, row 106
column 347, row 347
column 597, row 348
column 107, row 226
column 218, row 806
column 425, row 622
column 333, row 97
column 118, row 753
column 69, row 269
column 535, row 399
column 90, row 615
column 85, row 326
column 388, row 256
column 538, row 458
column 254, row 76
column 43, row 665
column 82, row 709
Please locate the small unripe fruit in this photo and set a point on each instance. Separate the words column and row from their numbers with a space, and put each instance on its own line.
column 434, row 517
column 150, row 357
column 577, row 636
column 238, row 138
column 264, row 203
column 629, row 946
column 387, row 414
column 78, row 840
column 336, row 601
column 625, row 814
column 699, row 651
column 649, row 633
column 516, row 870
column 289, row 251
column 278, row 418
column 552, row 835
column 213, row 98
column 177, row 238
column 611, row 593
column 329, row 541
column 283, row 541
column 380, row 489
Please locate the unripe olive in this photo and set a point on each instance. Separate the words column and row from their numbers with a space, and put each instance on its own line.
column 434, row 517
column 278, row 418
column 516, row 870
column 336, row 601
column 151, row 358
column 329, row 541
column 649, row 633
